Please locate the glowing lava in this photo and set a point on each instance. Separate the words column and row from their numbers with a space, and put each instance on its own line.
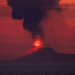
column 37, row 44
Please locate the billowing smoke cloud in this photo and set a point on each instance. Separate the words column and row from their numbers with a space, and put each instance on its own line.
column 32, row 11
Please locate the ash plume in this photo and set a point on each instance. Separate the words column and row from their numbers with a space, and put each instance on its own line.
column 32, row 11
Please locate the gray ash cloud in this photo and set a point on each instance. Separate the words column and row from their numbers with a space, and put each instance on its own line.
column 32, row 11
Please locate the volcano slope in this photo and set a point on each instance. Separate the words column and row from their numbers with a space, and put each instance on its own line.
column 46, row 55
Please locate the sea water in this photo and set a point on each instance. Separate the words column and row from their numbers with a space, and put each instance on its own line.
column 37, row 68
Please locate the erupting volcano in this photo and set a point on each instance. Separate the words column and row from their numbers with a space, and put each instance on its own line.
column 36, row 45
column 33, row 12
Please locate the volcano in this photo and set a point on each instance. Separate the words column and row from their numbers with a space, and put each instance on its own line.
column 46, row 55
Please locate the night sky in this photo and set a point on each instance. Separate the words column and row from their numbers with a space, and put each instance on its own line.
column 58, row 29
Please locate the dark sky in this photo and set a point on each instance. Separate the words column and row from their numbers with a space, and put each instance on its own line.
column 58, row 28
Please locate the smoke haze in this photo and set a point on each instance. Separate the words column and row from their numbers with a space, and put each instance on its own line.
column 32, row 11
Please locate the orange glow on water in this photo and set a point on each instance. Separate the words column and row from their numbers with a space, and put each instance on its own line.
column 37, row 44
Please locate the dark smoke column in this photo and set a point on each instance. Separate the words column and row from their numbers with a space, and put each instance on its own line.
column 32, row 11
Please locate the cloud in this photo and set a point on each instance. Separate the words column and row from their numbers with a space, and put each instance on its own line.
column 32, row 11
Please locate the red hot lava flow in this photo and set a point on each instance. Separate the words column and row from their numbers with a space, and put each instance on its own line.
column 37, row 44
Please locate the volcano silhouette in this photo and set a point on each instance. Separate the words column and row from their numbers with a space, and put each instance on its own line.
column 46, row 55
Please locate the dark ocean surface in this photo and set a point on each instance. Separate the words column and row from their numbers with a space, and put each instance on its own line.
column 37, row 68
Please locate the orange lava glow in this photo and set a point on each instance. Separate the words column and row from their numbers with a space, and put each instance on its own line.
column 37, row 44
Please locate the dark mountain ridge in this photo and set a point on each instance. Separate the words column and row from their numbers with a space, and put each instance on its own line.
column 46, row 55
